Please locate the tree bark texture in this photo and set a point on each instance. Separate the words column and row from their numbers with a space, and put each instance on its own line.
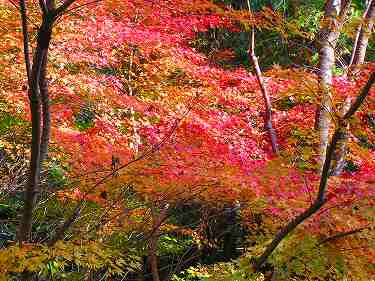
column 46, row 132
column 334, row 17
column 340, row 153
column 363, row 35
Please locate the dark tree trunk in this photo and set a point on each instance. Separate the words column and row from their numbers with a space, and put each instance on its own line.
column 43, row 85
column 32, row 188
column 229, row 240
column 39, row 104
column 157, row 221
column 153, row 259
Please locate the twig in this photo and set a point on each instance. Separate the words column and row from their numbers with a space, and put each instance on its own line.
column 343, row 234
column 77, row 210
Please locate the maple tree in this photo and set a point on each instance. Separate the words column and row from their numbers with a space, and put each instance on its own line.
column 159, row 141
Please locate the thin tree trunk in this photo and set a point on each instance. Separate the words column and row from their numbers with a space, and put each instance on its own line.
column 38, row 98
column 229, row 239
column 140, row 275
column 153, row 258
column 328, row 36
column 60, row 231
column 25, row 33
column 320, row 199
column 340, row 153
column 266, row 97
column 343, row 235
column 363, row 35
column 157, row 220
column 23, row 231
column 43, row 85
column 32, row 188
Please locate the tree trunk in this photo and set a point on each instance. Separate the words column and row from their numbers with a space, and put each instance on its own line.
column 229, row 240
column 32, row 188
column 46, row 132
column 266, row 97
column 39, row 104
column 268, row 107
column 320, row 198
column 363, row 35
column 328, row 36
column 157, row 221
column 140, row 275
column 340, row 153
column 153, row 259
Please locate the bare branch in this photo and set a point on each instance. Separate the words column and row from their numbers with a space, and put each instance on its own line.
column 78, row 209
column 343, row 234
column 266, row 97
column 358, row 102
column 46, row 132
column 26, row 48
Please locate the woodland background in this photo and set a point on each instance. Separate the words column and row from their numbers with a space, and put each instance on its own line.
column 187, row 140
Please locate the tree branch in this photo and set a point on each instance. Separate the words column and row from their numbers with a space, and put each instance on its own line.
column 26, row 48
column 32, row 186
column 363, row 34
column 266, row 97
column 46, row 132
column 364, row 93
column 64, row 6
column 78, row 209
column 343, row 234
column 320, row 199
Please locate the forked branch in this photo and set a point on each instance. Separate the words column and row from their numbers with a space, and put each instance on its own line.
column 320, row 199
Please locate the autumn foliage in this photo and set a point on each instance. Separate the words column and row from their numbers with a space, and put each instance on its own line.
column 156, row 132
